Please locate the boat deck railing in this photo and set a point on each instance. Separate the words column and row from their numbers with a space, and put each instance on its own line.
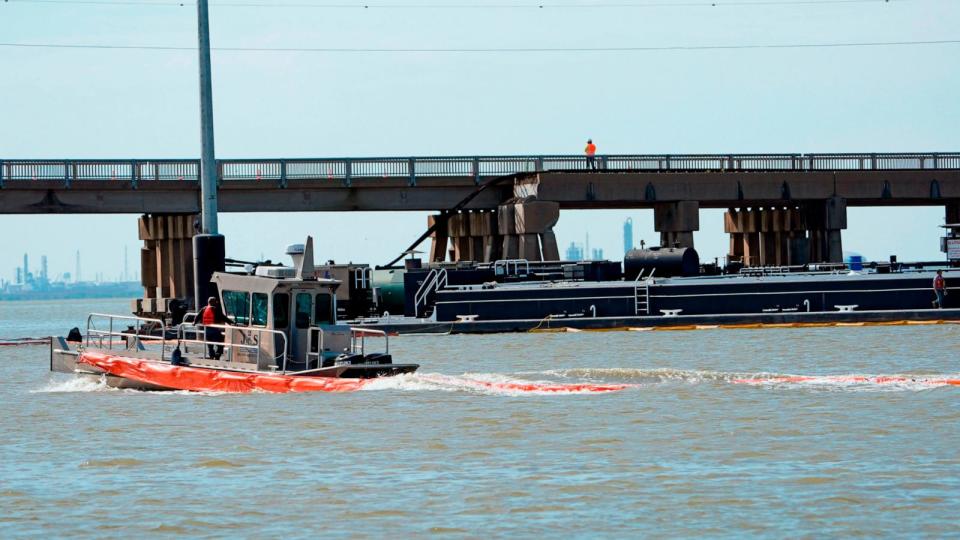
column 252, row 342
column 358, row 342
column 104, row 332
column 129, row 332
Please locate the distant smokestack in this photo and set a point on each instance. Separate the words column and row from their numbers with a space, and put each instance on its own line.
column 43, row 268
column 26, row 267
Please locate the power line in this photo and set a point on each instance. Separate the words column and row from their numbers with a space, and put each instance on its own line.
column 490, row 50
column 518, row 5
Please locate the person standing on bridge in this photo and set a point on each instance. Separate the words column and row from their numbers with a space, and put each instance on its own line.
column 591, row 152
column 940, row 289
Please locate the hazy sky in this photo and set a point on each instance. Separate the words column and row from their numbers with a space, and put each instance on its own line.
column 99, row 103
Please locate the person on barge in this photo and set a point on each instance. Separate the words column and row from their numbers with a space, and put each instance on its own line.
column 940, row 289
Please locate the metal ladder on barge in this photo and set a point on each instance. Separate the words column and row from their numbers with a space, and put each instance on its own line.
column 641, row 294
column 436, row 279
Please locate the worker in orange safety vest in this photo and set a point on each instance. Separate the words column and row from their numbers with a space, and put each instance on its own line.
column 212, row 314
column 591, row 151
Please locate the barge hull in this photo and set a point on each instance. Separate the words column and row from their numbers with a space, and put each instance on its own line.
column 731, row 320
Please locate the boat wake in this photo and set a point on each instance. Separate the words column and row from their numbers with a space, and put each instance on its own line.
column 491, row 384
column 584, row 381
column 856, row 382
column 74, row 384
column 905, row 382
column 649, row 376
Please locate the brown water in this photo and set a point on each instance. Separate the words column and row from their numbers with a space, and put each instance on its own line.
column 686, row 452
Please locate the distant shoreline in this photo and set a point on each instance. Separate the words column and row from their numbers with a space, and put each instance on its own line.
column 133, row 290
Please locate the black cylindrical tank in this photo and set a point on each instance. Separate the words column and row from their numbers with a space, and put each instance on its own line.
column 667, row 262
column 208, row 257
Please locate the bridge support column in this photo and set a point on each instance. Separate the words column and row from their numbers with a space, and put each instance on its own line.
column 825, row 221
column 166, row 261
column 764, row 236
column 439, row 239
column 676, row 222
column 486, row 241
column 507, row 226
column 787, row 236
column 459, row 228
column 474, row 236
column 527, row 230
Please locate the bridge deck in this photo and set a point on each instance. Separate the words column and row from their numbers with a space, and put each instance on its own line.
column 435, row 183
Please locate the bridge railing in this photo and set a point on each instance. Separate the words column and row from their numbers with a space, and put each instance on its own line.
column 100, row 170
column 411, row 168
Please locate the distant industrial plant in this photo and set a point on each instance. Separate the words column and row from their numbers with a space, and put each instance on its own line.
column 32, row 285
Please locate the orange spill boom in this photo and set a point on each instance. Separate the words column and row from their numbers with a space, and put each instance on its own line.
column 210, row 380
column 851, row 379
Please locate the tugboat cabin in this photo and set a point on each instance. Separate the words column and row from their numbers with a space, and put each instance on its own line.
column 299, row 310
column 285, row 319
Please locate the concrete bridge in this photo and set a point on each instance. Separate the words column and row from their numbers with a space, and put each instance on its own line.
column 439, row 183
column 781, row 208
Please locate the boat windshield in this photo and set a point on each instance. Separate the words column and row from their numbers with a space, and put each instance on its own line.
column 258, row 312
column 323, row 312
column 302, row 313
column 237, row 306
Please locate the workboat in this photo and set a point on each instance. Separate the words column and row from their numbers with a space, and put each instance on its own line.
column 281, row 335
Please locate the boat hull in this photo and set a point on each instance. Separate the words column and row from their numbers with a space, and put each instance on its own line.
column 141, row 373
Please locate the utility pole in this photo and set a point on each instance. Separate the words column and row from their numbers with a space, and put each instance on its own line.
column 208, row 246
column 208, row 163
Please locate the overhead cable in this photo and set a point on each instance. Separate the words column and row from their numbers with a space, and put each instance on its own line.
column 490, row 50
column 465, row 5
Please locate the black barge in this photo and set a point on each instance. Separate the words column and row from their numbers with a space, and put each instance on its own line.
column 653, row 289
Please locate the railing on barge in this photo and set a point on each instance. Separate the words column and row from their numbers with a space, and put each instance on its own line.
column 280, row 171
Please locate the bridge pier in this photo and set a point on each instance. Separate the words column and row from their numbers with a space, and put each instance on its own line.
column 515, row 230
column 766, row 236
column 785, row 236
column 527, row 230
column 676, row 222
column 825, row 221
column 485, row 229
column 473, row 235
column 439, row 238
column 166, row 262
